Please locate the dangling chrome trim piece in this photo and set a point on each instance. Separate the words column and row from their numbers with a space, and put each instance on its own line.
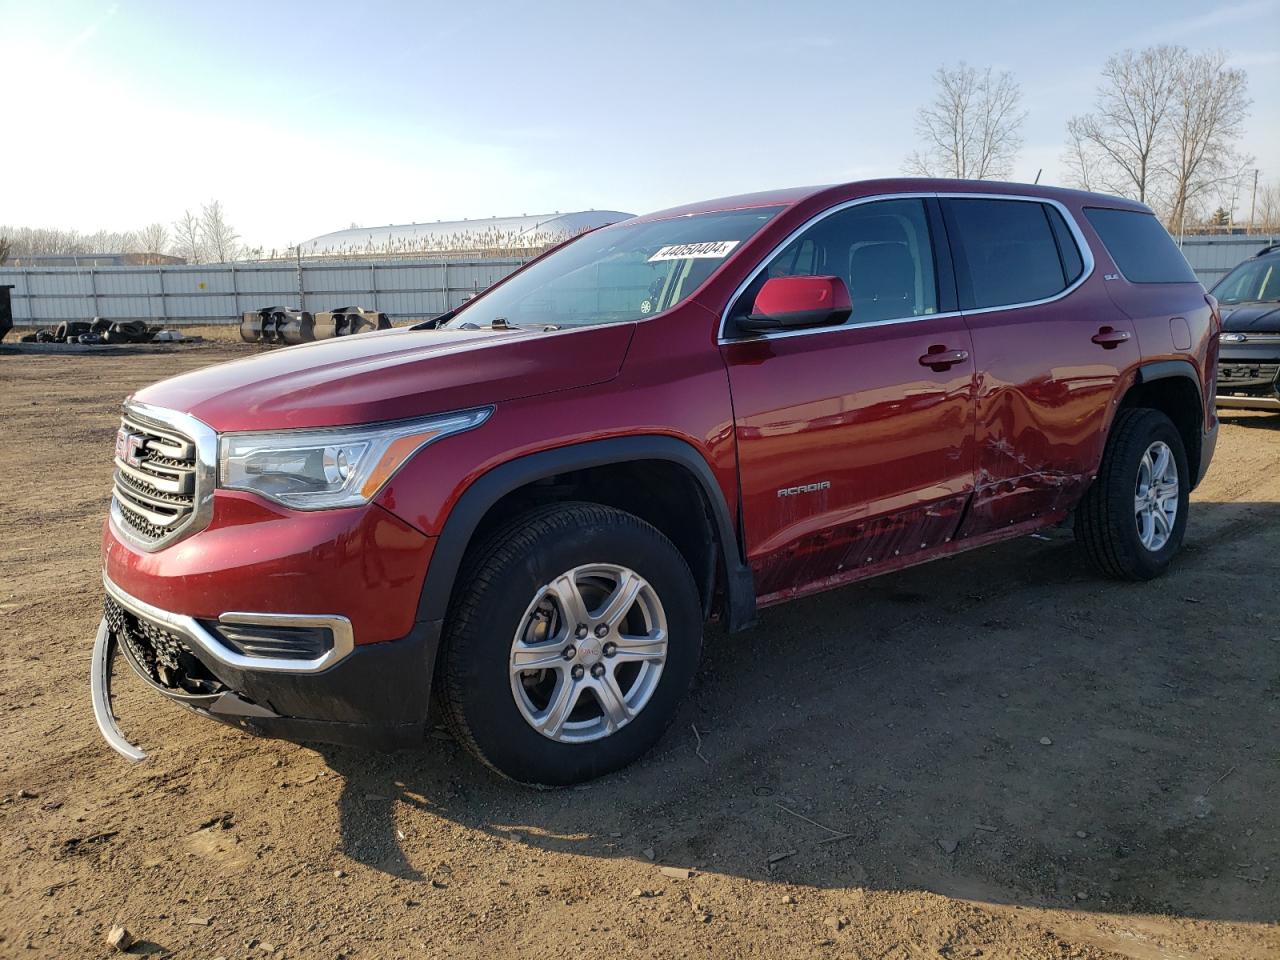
column 104, row 648
column 1086, row 256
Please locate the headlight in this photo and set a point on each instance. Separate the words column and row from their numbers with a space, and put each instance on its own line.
column 320, row 469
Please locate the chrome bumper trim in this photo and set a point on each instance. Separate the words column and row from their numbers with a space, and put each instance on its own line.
column 1248, row 403
column 100, row 691
column 200, row 638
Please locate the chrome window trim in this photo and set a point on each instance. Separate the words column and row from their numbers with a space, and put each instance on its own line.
column 205, row 439
column 1086, row 256
column 191, row 630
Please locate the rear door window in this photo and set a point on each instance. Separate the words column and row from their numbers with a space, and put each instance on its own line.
column 1140, row 246
column 1006, row 252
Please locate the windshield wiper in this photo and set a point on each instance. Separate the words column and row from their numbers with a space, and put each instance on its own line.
column 498, row 323
column 502, row 323
column 435, row 323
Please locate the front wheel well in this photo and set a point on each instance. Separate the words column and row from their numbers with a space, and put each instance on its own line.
column 660, row 492
column 1178, row 398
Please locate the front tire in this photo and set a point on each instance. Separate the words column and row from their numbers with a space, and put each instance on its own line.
column 1132, row 520
column 574, row 635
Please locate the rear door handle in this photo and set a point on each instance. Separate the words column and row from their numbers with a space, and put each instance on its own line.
column 939, row 358
column 1109, row 338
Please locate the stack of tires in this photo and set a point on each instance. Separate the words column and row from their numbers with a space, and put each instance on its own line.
column 345, row 321
column 277, row 325
column 121, row 331
column 282, row 325
column 97, row 330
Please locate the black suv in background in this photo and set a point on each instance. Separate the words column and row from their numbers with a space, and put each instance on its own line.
column 1249, row 359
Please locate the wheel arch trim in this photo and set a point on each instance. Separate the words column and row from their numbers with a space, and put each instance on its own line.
column 490, row 487
column 1166, row 369
column 1157, row 370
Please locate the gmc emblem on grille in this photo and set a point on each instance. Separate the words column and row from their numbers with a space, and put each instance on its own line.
column 128, row 446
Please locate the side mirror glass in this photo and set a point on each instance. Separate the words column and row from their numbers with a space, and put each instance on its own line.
column 790, row 302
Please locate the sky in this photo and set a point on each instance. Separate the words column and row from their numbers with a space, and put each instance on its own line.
column 308, row 117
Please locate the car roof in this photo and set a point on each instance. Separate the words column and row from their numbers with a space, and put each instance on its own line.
column 839, row 192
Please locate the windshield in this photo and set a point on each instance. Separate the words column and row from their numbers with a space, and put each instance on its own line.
column 1250, row 282
column 617, row 274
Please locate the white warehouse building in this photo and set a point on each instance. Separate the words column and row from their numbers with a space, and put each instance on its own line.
column 495, row 236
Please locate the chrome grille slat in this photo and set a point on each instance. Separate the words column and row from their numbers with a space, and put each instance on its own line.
column 156, row 461
column 181, row 447
column 177, row 451
column 147, row 510
column 173, row 481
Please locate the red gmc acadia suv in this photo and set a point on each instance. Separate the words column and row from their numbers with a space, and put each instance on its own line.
column 533, row 504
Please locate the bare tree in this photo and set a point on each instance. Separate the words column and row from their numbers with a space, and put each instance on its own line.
column 1117, row 147
column 6, row 247
column 40, row 240
column 971, row 130
column 1081, row 159
column 1161, row 131
column 220, row 240
column 188, row 242
column 1266, row 217
column 1209, row 106
column 153, row 241
column 111, row 241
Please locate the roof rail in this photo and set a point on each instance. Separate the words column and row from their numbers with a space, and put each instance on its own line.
column 1272, row 248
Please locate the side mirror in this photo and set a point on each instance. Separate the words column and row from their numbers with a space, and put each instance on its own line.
column 789, row 302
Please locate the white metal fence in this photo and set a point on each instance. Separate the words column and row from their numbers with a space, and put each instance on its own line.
column 1212, row 258
column 220, row 293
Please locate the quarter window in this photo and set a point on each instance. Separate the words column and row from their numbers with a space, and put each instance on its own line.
column 881, row 250
column 1140, row 246
column 1007, row 252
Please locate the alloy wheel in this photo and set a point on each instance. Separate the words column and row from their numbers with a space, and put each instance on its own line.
column 589, row 653
column 1155, row 502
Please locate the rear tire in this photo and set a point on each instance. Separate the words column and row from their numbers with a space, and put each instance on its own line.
column 574, row 634
column 1132, row 520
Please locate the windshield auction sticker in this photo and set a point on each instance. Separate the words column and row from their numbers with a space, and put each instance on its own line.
column 710, row 250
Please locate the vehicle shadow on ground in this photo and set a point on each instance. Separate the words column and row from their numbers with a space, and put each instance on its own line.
column 1002, row 726
column 1255, row 420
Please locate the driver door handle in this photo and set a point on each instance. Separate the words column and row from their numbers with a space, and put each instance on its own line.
column 939, row 358
column 1109, row 338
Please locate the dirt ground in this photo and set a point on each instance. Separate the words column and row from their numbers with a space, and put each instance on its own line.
column 997, row 755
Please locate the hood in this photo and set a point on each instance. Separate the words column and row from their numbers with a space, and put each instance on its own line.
column 391, row 375
column 1251, row 317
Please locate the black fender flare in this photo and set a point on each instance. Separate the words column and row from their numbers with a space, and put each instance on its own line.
column 1164, row 369
column 1205, row 440
column 486, row 490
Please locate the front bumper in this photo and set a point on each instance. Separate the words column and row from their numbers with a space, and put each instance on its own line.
column 375, row 695
column 362, row 562
column 1249, row 376
column 1246, row 402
